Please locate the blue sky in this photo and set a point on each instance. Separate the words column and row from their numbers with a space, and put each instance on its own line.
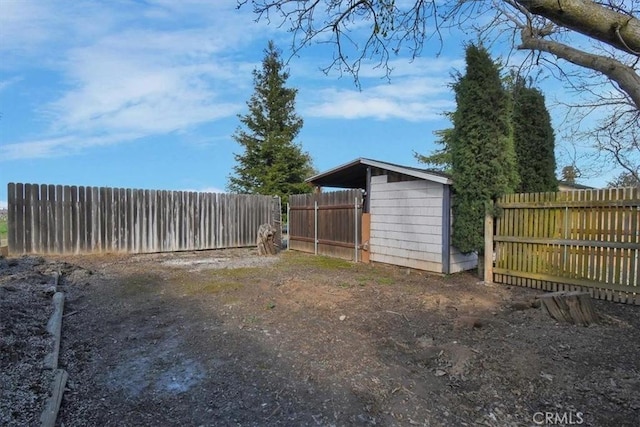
column 146, row 95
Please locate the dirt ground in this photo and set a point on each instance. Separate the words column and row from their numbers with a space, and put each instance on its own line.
column 225, row 338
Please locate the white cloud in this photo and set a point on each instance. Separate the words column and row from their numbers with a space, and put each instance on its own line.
column 6, row 83
column 4, row 204
column 413, row 99
column 127, row 76
column 58, row 146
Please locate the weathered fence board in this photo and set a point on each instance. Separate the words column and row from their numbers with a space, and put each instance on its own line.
column 578, row 240
column 71, row 219
column 326, row 223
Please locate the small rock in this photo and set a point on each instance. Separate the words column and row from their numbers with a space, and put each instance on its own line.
column 470, row 322
column 440, row 373
column 424, row 341
column 521, row 305
column 48, row 291
column 343, row 317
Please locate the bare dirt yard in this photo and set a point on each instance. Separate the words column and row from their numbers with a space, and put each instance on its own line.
column 225, row 338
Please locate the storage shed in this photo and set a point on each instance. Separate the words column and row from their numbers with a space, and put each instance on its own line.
column 406, row 217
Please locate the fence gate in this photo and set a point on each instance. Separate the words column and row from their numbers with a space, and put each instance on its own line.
column 326, row 223
column 577, row 240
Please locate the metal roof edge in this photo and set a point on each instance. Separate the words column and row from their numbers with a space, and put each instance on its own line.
column 335, row 169
column 384, row 165
column 408, row 171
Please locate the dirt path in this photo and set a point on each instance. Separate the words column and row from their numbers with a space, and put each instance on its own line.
column 188, row 339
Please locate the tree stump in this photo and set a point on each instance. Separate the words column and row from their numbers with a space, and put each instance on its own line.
column 265, row 241
column 574, row 307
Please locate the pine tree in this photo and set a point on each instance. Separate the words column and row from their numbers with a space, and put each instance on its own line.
column 482, row 153
column 439, row 159
column 272, row 162
column 570, row 173
column 534, row 140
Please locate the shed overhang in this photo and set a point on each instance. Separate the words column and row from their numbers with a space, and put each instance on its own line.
column 354, row 174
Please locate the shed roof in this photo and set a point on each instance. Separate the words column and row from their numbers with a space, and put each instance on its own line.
column 354, row 174
column 574, row 185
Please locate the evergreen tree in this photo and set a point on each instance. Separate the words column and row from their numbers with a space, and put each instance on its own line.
column 272, row 162
column 570, row 173
column 534, row 140
column 440, row 159
column 482, row 153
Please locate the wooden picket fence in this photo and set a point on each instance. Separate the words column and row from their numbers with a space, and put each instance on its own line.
column 69, row 219
column 326, row 223
column 577, row 240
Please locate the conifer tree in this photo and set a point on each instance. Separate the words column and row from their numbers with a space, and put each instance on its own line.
column 483, row 161
column 534, row 140
column 272, row 162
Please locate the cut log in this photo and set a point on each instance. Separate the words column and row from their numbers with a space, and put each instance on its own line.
column 574, row 307
column 265, row 241
column 54, row 327
column 50, row 413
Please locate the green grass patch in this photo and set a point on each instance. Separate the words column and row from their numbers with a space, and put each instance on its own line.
column 384, row 280
column 378, row 279
column 294, row 258
column 4, row 230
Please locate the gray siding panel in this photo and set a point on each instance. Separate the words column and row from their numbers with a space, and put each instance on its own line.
column 406, row 223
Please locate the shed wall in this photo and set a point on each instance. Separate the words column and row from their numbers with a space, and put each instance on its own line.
column 461, row 262
column 406, row 223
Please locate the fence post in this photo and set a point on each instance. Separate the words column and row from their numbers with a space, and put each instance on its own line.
column 315, row 228
column 288, row 226
column 355, row 215
column 488, row 244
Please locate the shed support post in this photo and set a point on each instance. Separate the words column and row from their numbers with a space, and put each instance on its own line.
column 355, row 216
column 488, row 244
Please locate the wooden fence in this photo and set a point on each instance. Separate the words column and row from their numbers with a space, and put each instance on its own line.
column 326, row 223
column 70, row 219
column 577, row 240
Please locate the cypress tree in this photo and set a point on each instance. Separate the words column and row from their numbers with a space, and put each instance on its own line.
column 272, row 162
column 534, row 140
column 482, row 153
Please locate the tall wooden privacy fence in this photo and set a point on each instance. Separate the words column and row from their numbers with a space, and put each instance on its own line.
column 578, row 240
column 326, row 223
column 70, row 219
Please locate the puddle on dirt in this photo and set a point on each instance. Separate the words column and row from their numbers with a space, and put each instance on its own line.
column 165, row 371
column 136, row 376
column 181, row 378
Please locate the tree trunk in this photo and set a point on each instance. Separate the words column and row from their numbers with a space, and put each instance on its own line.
column 574, row 307
column 265, row 241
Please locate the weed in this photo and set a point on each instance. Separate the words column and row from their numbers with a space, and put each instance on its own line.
column 251, row 319
column 384, row 280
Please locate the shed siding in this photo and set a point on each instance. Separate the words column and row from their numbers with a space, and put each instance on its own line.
column 406, row 223
column 461, row 262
